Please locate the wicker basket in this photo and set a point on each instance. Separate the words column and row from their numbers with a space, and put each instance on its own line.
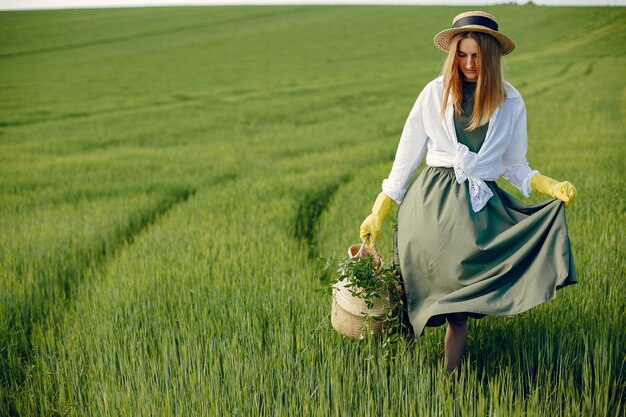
column 350, row 315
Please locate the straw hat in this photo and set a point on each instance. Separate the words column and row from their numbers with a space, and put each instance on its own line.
column 475, row 21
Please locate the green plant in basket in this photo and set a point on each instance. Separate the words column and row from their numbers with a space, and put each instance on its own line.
column 367, row 296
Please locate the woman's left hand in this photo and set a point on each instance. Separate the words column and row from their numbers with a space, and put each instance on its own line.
column 566, row 192
column 561, row 190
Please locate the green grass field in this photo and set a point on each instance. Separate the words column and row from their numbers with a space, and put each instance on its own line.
column 169, row 177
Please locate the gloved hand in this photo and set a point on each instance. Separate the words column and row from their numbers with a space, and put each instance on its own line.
column 372, row 223
column 564, row 190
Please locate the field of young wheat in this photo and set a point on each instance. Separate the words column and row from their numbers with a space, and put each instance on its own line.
column 169, row 178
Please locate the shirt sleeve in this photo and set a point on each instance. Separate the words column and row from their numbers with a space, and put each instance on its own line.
column 409, row 154
column 515, row 168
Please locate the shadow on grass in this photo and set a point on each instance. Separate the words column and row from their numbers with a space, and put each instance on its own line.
column 550, row 355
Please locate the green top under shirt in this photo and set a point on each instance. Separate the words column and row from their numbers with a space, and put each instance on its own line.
column 472, row 139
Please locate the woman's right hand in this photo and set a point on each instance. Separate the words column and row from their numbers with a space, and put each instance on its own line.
column 372, row 223
column 370, row 228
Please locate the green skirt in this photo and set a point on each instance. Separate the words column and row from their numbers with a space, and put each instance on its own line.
column 503, row 260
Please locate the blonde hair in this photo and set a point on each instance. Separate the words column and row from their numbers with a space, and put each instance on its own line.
column 489, row 86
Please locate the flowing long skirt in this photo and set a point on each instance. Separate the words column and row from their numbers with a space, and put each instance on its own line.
column 503, row 260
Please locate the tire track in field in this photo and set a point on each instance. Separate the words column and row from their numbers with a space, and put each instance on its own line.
column 583, row 37
column 540, row 88
column 39, row 308
column 311, row 207
column 65, row 281
column 103, row 112
column 152, row 33
column 563, row 71
column 180, row 99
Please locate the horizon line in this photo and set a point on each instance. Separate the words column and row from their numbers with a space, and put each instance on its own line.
column 17, row 5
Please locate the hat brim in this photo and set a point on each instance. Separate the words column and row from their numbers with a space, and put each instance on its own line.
column 443, row 38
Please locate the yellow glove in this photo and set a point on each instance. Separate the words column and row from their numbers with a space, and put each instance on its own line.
column 564, row 190
column 372, row 223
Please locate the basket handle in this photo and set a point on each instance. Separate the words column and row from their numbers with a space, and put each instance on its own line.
column 372, row 249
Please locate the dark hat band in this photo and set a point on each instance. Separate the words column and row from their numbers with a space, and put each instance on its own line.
column 476, row 20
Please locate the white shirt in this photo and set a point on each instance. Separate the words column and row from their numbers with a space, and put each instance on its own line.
column 503, row 152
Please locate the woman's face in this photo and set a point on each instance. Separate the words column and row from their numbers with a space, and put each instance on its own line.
column 467, row 54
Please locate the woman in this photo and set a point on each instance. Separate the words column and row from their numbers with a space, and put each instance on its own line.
column 467, row 248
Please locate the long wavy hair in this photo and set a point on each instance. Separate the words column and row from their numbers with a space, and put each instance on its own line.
column 489, row 86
